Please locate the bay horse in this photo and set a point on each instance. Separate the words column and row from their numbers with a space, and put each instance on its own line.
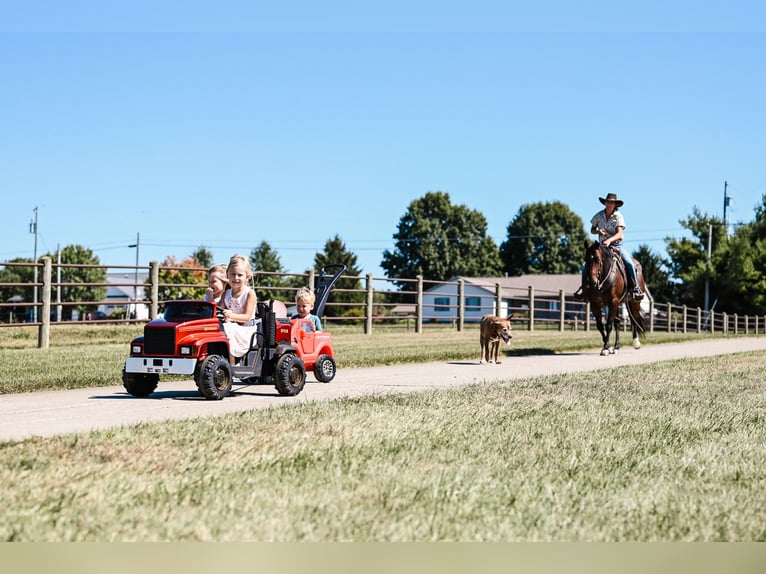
column 605, row 287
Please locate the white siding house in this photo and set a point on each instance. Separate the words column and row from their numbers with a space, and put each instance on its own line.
column 122, row 295
column 440, row 302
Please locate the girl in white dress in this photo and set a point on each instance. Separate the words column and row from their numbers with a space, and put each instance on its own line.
column 239, row 302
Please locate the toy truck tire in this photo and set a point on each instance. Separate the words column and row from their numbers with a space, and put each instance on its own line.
column 290, row 375
column 140, row 384
column 324, row 369
column 213, row 377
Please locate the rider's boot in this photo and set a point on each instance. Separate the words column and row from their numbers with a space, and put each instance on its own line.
column 578, row 295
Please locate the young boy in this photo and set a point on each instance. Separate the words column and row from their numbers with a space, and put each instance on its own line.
column 304, row 303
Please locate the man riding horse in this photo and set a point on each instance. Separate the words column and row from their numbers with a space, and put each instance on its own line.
column 609, row 225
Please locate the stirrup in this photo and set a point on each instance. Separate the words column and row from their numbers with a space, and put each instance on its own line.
column 637, row 294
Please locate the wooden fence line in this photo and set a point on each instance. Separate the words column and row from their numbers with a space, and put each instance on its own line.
column 528, row 308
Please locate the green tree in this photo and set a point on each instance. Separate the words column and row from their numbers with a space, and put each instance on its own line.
column 544, row 237
column 335, row 252
column 11, row 293
column 265, row 261
column 688, row 257
column 739, row 274
column 76, row 279
column 656, row 274
column 203, row 256
column 439, row 240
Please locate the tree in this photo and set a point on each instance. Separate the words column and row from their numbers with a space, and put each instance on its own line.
column 185, row 280
column 545, row 237
column 439, row 240
column 656, row 274
column 265, row 261
column 12, row 293
column 203, row 256
column 335, row 252
column 739, row 267
column 76, row 279
column 689, row 257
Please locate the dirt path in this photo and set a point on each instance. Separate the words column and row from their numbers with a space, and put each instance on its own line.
column 62, row 412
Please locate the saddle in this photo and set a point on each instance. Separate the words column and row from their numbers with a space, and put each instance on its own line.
column 620, row 262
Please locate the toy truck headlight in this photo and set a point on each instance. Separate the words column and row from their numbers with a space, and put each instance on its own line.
column 135, row 349
column 187, row 350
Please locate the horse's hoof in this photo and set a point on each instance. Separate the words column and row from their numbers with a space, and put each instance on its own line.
column 604, row 352
column 636, row 344
column 614, row 351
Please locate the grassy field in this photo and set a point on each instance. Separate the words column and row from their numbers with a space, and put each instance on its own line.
column 666, row 452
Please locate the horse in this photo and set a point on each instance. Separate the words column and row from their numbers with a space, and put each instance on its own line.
column 605, row 287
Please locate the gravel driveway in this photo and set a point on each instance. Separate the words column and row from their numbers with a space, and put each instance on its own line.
column 61, row 412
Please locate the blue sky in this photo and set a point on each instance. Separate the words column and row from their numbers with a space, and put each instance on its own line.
column 256, row 122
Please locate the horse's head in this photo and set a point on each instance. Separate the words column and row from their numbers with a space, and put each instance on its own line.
column 597, row 262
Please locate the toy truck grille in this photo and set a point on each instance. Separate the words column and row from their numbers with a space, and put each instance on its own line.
column 159, row 341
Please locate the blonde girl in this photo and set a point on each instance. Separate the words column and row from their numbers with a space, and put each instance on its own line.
column 239, row 302
column 217, row 283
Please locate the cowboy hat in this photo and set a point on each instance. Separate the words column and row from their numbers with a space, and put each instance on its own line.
column 611, row 197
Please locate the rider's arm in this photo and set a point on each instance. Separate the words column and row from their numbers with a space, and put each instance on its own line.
column 616, row 237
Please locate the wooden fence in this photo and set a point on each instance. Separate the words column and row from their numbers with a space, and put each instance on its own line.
column 378, row 301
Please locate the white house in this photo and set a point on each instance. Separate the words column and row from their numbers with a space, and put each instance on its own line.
column 440, row 302
column 123, row 292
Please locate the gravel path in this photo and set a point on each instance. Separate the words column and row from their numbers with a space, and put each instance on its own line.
column 62, row 412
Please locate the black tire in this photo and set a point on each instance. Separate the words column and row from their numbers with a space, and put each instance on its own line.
column 140, row 384
column 325, row 369
column 213, row 377
column 291, row 375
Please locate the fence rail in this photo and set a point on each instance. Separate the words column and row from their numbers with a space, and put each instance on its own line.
column 375, row 302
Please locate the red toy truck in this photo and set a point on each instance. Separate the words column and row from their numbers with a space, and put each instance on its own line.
column 188, row 339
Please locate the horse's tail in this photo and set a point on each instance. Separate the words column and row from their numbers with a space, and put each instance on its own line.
column 638, row 316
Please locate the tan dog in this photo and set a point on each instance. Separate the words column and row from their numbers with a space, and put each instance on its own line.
column 492, row 330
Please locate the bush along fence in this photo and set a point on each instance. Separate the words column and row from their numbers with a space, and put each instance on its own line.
column 135, row 295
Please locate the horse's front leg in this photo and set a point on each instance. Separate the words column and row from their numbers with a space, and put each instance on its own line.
column 602, row 329
column 615, row 312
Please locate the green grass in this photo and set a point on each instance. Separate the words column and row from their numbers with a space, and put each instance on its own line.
column 666, row 452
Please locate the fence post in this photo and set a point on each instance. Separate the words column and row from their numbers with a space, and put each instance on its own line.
column 683, row 327
column 44, row 332
column 736, row 324
column 725, row 323
column 419, row 306
column 531, row 308
column 562, row 309
column 699, row 320
column 460, row 304
column 499, row 301
column 368, row 312
column 670, row 316
column 587, row 316
column 154, row 274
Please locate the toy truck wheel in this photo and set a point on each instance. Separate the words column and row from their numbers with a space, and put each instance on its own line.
column 324, row 369
column 140, row 384
column 213, row 377
column 291, row 375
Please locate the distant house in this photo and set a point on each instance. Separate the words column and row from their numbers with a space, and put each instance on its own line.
column 440, row 302
column 122, row 294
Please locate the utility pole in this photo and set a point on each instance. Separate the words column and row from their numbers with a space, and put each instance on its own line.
column 137, row 245
column 726, row 201
column 33, row 229
column 709, row 254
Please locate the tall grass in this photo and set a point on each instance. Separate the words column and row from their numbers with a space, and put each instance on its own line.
column 665, row 452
